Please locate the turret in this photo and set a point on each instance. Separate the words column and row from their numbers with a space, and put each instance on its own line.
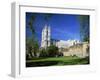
column 46, row 33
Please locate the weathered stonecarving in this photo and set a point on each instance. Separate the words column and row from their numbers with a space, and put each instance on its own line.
column 68, row 47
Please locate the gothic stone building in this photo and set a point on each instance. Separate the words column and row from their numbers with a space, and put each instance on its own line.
column 68, row 47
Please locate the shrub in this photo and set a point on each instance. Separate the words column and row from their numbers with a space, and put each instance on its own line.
column 43, row 53
column 60, row 54
column 52, row 51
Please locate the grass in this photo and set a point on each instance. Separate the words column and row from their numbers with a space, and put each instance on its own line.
column 56, row 61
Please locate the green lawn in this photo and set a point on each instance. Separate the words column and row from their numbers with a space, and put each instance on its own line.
column 56, row 61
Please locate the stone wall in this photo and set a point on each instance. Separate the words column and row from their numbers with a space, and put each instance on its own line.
column 80, row 50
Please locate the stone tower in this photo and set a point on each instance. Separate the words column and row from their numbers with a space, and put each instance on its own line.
column 46, row 36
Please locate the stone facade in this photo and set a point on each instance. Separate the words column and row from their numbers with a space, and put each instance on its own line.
column 80, row 50
column 67, row 43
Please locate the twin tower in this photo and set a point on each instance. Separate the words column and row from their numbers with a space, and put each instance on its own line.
column 46, row 36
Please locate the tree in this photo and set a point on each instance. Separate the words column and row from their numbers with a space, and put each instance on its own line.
column 43, row 53
column 32, row 47
column 47, row 17
column 35, row 48
column 84, row 27
column 32, row 43
column 52, row 51
column 29, row 47
column 31, row 24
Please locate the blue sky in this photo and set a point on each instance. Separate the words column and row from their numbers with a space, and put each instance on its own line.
column 63, row 26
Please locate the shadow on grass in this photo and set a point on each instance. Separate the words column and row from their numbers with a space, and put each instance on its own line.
column 41, row 63
column 58, row 62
